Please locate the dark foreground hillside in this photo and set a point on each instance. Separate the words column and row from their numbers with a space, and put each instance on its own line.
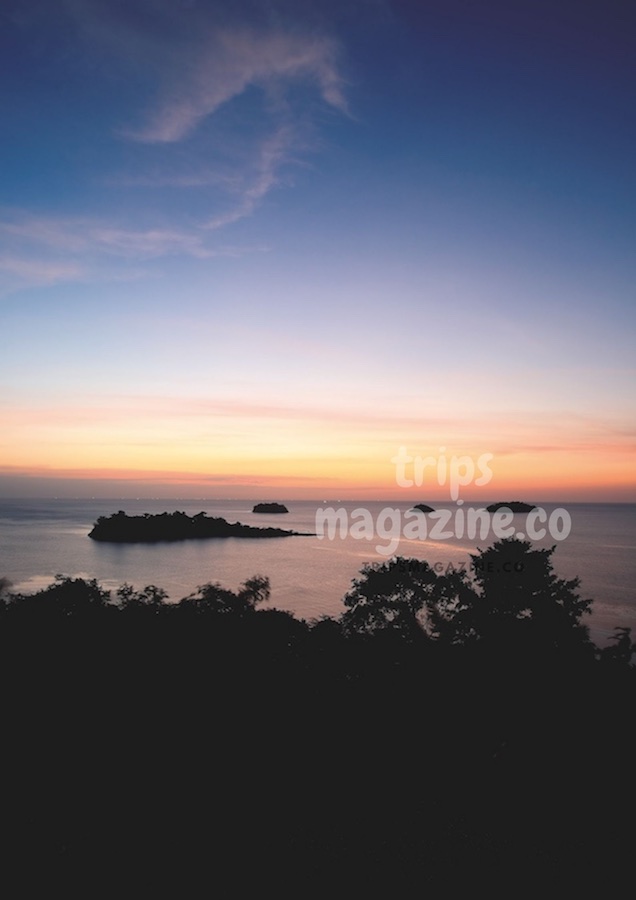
column 215, row 745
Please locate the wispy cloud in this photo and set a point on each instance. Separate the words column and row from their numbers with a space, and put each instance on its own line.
column 229, row 63
column 46, row 250
column 539, row 433
column 201, row 60
column 194, row 61
column 39, row 272
column 81, row 235
column 273, row 152
column 69, row 239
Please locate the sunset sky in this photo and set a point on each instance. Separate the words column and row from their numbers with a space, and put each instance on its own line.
column 251, row 249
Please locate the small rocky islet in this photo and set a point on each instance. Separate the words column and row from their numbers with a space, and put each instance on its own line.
column 515, row 506
column 270, row 508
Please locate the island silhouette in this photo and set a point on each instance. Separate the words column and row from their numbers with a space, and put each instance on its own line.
column 270, row 508
column 176, row 526
column 515, row 506
column 423, row 507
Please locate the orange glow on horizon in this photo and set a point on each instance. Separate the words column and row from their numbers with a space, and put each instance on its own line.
column 315, row 454
column 554, row 476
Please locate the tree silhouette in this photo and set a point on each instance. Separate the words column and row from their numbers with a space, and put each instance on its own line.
column 149, row 597
column 65, row 597
column 388, row 743
column 215, row 599
column 623, row 648
column 515, row 597
column 390, row 596
column 254, row 590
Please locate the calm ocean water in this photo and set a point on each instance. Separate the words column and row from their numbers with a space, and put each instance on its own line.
column 309, row 576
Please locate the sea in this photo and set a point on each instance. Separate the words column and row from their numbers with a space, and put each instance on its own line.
column 310, row 574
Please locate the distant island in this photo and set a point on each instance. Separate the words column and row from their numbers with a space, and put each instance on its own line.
column 423, row 507
column 515, row 506
column 270, row 508
column 177, row 526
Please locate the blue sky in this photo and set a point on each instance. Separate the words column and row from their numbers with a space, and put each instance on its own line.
column 262, row 245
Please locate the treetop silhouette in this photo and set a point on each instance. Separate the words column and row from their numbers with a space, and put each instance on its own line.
column 512, row 595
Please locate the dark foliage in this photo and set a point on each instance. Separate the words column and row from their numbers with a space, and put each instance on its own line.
column 444, row 735
column 516, row 602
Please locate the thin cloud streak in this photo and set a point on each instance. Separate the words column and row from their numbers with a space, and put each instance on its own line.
column 274, row 151
column 196, row 62
column 74, row 236
column 47, row 250
column 540, row 433
column 232, row 61
column 81, row 235
column 229, row 62
column 144, row 476
column 40, row 272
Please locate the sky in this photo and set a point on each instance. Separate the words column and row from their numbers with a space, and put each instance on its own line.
column 252, row 249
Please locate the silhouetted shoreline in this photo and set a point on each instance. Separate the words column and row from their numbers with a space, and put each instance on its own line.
column 176, row 526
